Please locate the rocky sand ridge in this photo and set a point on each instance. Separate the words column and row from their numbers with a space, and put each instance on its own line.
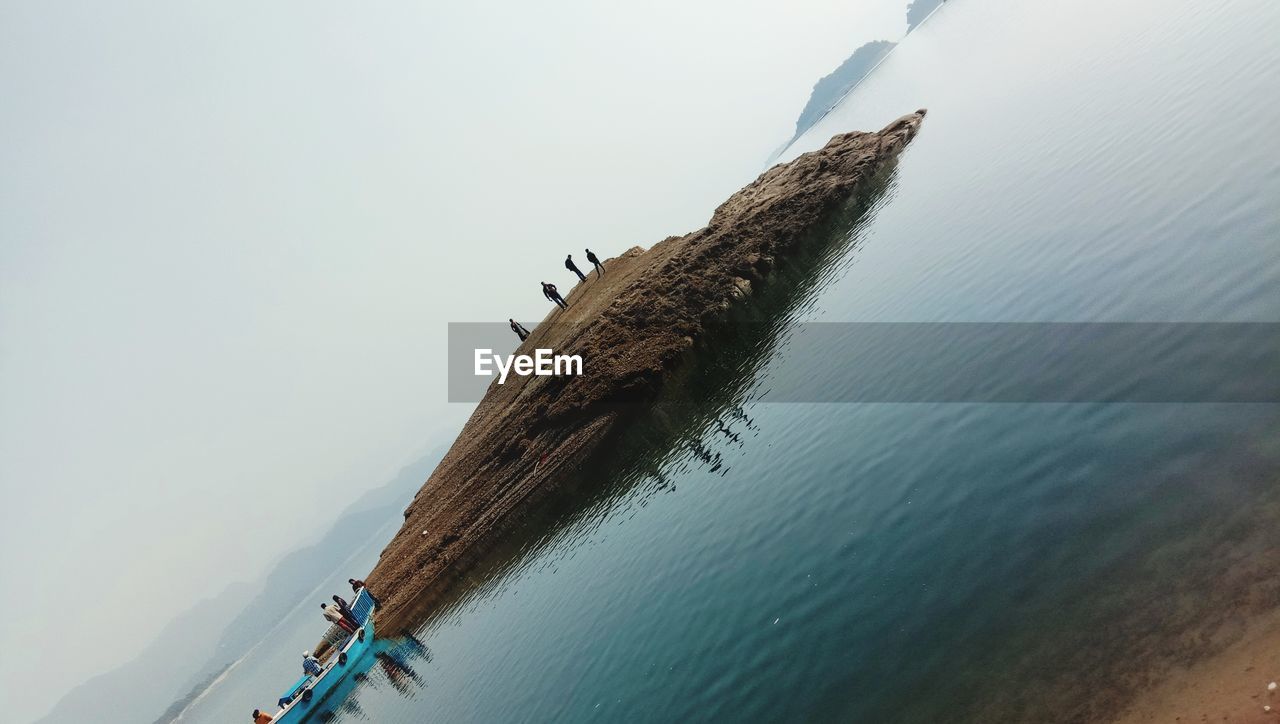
column 633, row 326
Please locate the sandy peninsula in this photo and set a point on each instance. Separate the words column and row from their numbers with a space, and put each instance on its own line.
column 633, row 326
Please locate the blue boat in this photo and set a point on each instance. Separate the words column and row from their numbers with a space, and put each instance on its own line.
column 346, row 657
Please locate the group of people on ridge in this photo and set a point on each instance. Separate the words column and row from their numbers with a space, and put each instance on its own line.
column 591, row 257
column 338, row 613
column 553, row 295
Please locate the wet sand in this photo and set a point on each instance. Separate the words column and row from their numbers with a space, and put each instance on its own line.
column 1230, row 686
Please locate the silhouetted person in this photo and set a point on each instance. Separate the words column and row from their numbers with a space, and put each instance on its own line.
column 595, row 260
column 519, row 329
column 568, row 264
column 549, row 291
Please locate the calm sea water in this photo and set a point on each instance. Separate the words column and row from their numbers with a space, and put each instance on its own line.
column 1081, row 161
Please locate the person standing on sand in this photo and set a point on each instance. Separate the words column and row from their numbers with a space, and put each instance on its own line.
column 568, row 264
column 334, row 616
column 549, row 291
column 591, row 257
column 261, row 717
column 521, row 332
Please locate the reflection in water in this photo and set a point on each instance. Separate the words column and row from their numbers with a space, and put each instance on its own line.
column 399, row 672
column 392, row 664
column 706, row 399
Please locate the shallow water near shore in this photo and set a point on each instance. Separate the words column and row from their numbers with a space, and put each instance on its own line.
column 919, row 562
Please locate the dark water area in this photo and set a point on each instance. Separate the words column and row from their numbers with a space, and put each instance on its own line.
column 930, row 561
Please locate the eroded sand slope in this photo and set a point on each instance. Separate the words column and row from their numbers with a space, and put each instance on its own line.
column 632, row 327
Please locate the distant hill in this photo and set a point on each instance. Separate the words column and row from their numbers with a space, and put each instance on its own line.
column 176, row 707
column 829, row 89
column 200, row 643
column 918, row 10
column 128, row 694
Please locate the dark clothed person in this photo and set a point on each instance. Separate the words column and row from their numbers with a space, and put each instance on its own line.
column 520, row 331
column 347, row 613
column 595, row 260
column 568, row 264
column 549, row 291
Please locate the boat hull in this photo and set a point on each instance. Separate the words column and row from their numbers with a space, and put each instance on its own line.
column 337, row 672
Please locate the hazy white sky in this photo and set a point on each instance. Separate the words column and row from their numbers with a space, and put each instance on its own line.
column 231, row 234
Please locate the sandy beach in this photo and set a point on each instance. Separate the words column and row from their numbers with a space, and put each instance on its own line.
column 1230, row 686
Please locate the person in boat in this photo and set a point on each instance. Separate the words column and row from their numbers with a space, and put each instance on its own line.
column 310, row 664
column 549, row 291
column 334, row 615
column 519, row 329
column 357, row 584
column 347, row 613
column 591, row 257
column 568, row 264
column 261, row 717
